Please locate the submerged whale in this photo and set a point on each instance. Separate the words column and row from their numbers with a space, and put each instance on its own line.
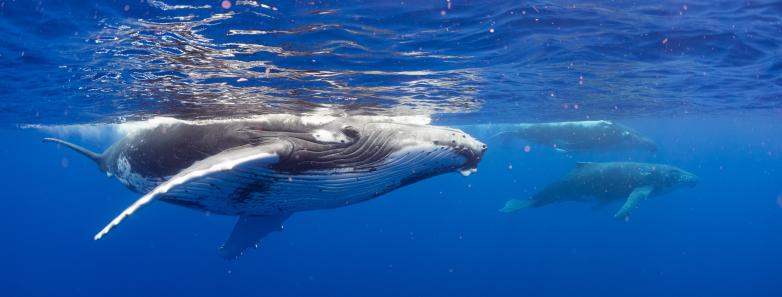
column 582, row 136
column 606, row 182
column 267, row 168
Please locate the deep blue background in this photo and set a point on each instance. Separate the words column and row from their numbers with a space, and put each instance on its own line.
column 439, row 237
column 703, row 78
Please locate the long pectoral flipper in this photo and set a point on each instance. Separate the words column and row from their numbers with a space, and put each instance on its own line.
column 218, row 167
column 248, row 231
column 635, row 198
column 515, row 205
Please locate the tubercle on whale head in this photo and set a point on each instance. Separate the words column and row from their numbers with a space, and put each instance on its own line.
column 455, row 140
column 468, row 147
column 471, row 149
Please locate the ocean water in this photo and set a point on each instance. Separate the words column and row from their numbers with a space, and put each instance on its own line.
column 700, row 78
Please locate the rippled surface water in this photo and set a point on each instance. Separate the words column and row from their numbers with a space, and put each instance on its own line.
column 460, row 61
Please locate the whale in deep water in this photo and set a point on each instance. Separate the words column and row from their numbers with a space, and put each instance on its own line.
column 582, row 136
column 267, row 168
column 606, row 182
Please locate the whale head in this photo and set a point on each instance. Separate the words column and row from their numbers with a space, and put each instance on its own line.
column 674, row 178
column 445, row 148
column 631, row 138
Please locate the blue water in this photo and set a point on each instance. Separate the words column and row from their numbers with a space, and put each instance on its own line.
column 701, row 78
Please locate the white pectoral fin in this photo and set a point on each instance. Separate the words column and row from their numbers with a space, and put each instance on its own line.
column 248, row 231
column 639, row 194
column 225, row 161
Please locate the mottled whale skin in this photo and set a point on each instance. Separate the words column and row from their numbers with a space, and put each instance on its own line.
column 606, row 182
column 583, row 136
column 267, row 168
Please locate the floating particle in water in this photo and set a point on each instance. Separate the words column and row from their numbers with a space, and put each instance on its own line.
column 527, row 148
column 665, row 40
column 575, row 106
column 126, row 8
column 580, row 79
column 226, row 4
column 64, row 162
column 779, row 200
column 241, row 79
column 684, row 6
column 442, row 12
column 450, row 270
column 510, row 167
column 491, row 30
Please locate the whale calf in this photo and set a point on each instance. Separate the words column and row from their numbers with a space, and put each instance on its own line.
column 606, row 182
column 267, row 168
column 582, row 136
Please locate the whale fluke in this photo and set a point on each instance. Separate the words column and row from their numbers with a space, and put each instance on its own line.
column 87, row 153
column 515, row 205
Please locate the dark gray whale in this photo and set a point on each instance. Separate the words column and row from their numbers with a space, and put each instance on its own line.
column 582, row 136
column 267, row 168
column 606, row 182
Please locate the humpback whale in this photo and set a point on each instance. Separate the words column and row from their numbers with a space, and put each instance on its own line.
column 264, row 169
column 582, row 136
column 606, row 182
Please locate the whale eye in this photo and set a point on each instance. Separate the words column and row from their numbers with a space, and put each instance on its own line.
column 351, row 132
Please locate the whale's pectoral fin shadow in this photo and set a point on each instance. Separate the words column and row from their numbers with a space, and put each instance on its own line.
column 225, row 171
column 633, row 200
column 248, row 232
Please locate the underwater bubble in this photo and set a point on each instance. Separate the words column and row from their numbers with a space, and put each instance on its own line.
column 527, row 148
column 226, row 4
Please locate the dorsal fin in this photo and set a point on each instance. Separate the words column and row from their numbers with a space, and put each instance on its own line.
column 583, row 164
column 87, row 153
